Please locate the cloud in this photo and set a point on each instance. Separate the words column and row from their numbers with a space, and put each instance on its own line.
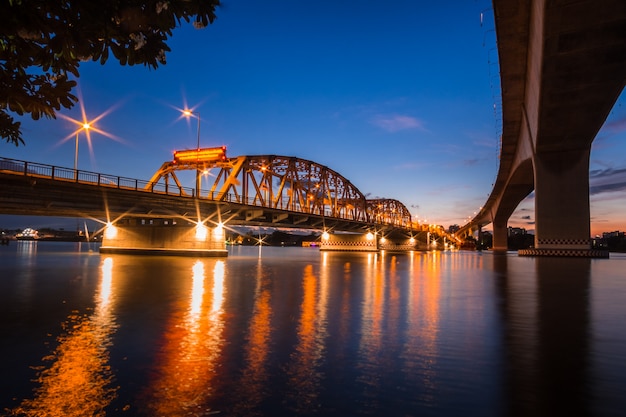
column 605, row 188
column 607, row 180
column 395, row 123
column 525, row 217
column 471, row 162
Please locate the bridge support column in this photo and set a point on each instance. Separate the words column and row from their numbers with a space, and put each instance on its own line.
column 562, row 217
column 349, row 242
column 398, row 244
column 163, row 237
column 500, row 236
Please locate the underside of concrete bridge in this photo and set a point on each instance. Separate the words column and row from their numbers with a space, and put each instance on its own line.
column 562, row 67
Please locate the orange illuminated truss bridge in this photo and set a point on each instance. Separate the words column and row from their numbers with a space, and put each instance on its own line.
column 278, row 182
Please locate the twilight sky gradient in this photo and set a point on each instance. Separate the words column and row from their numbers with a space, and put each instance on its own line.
column 398, row 97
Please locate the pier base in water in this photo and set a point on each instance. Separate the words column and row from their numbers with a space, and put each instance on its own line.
column 571, row 253
column 366, row 242
column 165, row 237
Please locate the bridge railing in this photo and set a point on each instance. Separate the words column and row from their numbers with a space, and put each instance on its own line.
column 35, row 169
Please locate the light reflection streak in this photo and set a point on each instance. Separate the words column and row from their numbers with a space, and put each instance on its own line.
column 421, row 350
column 253, row 383
column 303, row 371
column 103, row 308
column 197, row 292
column 27, row 249
column 372, row 316
column 78, row 380
column 393, row 300
column 218, row 287
column 184, row 378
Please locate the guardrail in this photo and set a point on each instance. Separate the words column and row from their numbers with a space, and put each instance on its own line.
column 35, row 169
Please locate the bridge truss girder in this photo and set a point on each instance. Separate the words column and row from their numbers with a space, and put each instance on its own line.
column 275, row 182
column 388, row 211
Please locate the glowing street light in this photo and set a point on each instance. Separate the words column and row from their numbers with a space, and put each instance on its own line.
column 190, row 113
column 89, row 126
column 85, row 126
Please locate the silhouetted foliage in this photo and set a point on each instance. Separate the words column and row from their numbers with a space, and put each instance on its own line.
column 42, row 43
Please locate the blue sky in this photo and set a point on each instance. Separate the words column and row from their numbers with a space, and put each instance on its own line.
column 397, row 97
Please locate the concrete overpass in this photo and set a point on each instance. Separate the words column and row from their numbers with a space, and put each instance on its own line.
column 562, row 67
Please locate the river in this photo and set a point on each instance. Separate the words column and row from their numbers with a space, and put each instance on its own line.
column 294, row 331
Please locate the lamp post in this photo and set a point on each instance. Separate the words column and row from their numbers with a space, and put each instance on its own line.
column 85, row 127
column 190, row 113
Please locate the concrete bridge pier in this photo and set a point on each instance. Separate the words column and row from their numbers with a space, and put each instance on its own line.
column 357, row 242
column 500, row 236
column 400, row 244
column 368, row 242
column 562, row 225
column 164, row 237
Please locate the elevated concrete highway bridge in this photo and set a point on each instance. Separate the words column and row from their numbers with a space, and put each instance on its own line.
column 562, row 67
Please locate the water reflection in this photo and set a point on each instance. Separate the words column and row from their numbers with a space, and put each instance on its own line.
column 26, row 251
column 421, row 349
column 371, row 335
column 197, row 293
column 298, row 332
column 78, row 381
column 184, row 377
column 303, row 371
column 253, row 387
column 546, row 318
column 563, row 354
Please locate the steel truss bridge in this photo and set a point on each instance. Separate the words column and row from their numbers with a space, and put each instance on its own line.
column 260, row 190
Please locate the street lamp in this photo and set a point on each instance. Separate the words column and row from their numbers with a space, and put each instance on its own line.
column 190, row 113
column 85, row 127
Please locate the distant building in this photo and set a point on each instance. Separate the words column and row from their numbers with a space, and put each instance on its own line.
column 613, row 241
column 517, row 231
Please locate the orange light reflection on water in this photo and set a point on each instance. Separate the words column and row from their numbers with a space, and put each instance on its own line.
column 253, row 382
column 303, row 369
column 187, row 362
column 422, row 347
column 197, row 292
column 78, row 380
column 373, row 308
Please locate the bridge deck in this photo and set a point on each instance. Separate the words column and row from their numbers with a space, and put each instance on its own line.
column 45, row 190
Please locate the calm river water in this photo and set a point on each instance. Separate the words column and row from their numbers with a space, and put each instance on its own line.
column 295, row 331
